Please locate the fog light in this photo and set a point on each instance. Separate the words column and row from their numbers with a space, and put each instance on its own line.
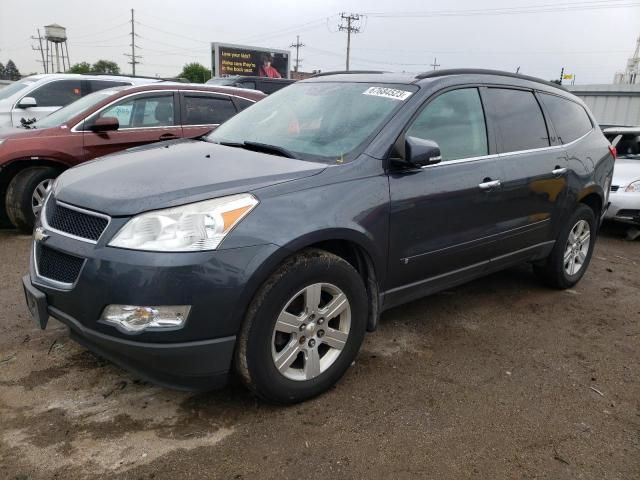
column 135, row 319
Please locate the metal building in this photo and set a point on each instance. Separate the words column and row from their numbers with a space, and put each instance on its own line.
column 617, row 104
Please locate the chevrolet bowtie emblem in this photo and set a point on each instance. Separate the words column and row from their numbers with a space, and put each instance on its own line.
column 40, row 235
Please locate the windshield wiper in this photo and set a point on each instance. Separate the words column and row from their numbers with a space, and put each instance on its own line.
column 261, row 147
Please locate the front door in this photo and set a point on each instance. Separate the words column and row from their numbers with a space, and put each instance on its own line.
column 144, row 118
column 444, row 218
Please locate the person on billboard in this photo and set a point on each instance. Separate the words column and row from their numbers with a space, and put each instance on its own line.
column 266, row 70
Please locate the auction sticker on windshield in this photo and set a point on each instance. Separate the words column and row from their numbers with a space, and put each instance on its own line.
column 387, row 93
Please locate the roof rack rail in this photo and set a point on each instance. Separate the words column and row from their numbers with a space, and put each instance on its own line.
column 484, row 71
column 343, row 72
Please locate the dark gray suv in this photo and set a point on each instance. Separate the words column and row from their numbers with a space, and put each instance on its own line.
column 272, row 245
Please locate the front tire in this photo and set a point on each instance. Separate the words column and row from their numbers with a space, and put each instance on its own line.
column 26, row 194
column 303, row 329
column 572, row 251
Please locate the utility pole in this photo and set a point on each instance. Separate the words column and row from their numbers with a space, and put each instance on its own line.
column 134, row 58
column 45, row 64
column 561, row 75
column 297, row 46
column 349, row 28
column 435, row 63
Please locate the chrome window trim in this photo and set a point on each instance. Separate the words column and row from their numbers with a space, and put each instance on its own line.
column 50, row 282
column 508, row 154
column 77, row 126
column 45, row 224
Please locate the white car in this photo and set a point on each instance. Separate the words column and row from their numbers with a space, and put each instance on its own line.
column 37, row 96
column 625, row 186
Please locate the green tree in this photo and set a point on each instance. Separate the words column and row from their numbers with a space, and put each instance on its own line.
column 82, row 67
column 2, row 73
column 11, row 72
column 195, row 73
column 106, row 66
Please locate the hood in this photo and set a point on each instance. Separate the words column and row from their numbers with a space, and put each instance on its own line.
column 625, row 171
column 17, row 133
column 173, row 173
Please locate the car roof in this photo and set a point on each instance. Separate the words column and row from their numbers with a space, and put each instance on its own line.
column 427, row 77
column 89, row 76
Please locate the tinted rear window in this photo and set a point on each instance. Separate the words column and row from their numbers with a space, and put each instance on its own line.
column 207, row 110
column 519, row 119
column 569, row 119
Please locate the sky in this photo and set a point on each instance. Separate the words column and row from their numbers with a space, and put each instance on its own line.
column 591, row 39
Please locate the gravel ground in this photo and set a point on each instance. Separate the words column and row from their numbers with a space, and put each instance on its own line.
column 500, row 378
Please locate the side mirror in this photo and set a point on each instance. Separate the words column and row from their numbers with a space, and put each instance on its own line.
column 420, row 153
column 27, row 102
column 105, row 124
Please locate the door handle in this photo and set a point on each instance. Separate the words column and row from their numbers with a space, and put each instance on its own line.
column 559, row 171
column 168, row 136
column 489, row 184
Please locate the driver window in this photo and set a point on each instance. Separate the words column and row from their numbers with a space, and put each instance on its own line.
column 455, row 121
column 143, row 112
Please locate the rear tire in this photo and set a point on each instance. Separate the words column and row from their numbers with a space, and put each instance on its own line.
column 287, row 351
column 25, row 194
column 571, row 254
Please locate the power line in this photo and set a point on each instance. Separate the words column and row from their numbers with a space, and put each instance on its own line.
column 349, row 28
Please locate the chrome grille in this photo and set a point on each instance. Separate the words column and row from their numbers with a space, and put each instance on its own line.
column 55, row 265
column 614, row 188
column 72, row 221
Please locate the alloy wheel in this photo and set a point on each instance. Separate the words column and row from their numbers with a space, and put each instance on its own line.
column 40, row 194
column 577, row 247
column 311, row 331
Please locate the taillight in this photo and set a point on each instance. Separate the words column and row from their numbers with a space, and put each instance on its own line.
column 613, row 151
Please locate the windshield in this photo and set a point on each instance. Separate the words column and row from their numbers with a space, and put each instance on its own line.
column 316, row 121
column 15, row 87
column 65, row 114
column 221, row 80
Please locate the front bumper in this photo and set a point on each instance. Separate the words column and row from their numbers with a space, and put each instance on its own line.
column 217, row 285
column 625, row 207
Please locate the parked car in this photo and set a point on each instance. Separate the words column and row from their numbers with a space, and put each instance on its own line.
column 271, row 245
column 37, row 96
column 264, row 84
column 625, row 187
column 104, row 122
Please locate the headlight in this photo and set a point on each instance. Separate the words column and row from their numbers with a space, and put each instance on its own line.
column 194, row 227
column 633, row 187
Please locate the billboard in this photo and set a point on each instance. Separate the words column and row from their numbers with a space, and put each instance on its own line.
column 228, row 59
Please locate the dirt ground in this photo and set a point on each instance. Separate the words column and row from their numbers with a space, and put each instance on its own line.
column 500, row 378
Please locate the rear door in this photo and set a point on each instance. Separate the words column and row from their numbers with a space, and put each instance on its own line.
column 444, row 218
column 144, row 118
column 49, row 97
column 202, row 112
column 534, row 179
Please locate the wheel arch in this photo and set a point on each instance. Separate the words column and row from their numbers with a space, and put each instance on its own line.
column 593, row 198
column 348, row 245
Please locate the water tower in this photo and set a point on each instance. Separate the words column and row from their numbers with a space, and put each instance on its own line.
column 56, row 39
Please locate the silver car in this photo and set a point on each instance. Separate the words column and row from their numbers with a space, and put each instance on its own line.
column 625, row 186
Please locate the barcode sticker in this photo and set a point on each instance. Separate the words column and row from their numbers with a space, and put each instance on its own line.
column 393, row 93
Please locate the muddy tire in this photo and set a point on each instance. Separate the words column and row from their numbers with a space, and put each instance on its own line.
column 571, row 254
column 303, row 329
column 24, row 196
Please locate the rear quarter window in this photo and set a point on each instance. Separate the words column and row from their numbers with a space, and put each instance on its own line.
column 569, row 118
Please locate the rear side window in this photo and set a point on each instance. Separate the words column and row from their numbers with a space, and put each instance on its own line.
column 269, row 87
column 455, row 121
column 569, row 119
column 250, row 85
column 519, row 120
column 57, row 93
column 207, row 110
column 96, row 85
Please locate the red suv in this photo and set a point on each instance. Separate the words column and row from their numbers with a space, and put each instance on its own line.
column 101, row 123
